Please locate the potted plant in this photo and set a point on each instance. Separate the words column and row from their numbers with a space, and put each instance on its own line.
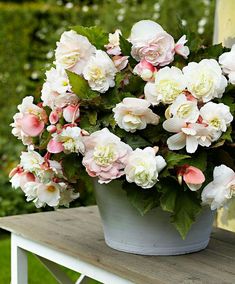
column 150, row 120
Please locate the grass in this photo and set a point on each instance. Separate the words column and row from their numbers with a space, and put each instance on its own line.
column 38, row 274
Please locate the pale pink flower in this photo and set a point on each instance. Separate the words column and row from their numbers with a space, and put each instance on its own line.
column 152, row 43
column 145, row 70
column 113, row 47
column 192, row 176
column 73, row 52
column 19, row 177
column 105, row 155
column 120, row 62
column 180, row 47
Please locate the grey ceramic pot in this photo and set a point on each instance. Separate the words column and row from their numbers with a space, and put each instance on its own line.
column 152, row 234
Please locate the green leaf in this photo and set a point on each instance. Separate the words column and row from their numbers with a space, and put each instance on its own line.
column 142, row 199
column 92, row 117
column 227, row 135
column 228, row 98
column 85, row 123
column 125, row 46
column 80, row 87
column 95, row 35
column 108, row 120
column 71, row 166
column 169, row 189
column 135, row 141
column 199, row 161
column 173, row 159
column 187, row 207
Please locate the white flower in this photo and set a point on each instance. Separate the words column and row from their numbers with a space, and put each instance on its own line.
column 73, row 52
column 169, row 84
column 100, row 72
column 67, row 195
column 45, row 170
column 56, row 91
column 205, row 80
column 134, row 114
column 143, row 167
column 184, row 109
column 43, row 194
column 227, row 62
column 221, row 189
column 189, row 134
column 31, row 161
column 71, row 139
column 151, row 43
column 113, row 47
column 218, row 116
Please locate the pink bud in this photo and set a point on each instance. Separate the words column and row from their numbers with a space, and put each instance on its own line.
column 71, row 113
column 145, row 70
column 192, row 176
column 31, row 125
column 51, row 128
column 55, row 147
column 54, row 117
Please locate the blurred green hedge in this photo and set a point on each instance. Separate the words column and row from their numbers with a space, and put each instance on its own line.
column 27, row 39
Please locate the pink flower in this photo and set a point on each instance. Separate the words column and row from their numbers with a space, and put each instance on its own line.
column 145, row 70
column 31, row 125
column 55, row 147
column 152, row 43
column 180, row 47
column 29, row 121
column 120, row 62
column 192, row 176
column 71, row 113
column 105, row 156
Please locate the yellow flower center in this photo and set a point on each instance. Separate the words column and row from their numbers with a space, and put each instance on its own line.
column 104, row 155
column 169, row 90
column 51, row 188
column 215, row 122
column 184, row 110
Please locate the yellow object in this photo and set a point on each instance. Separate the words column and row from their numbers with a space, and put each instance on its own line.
column 224, row 31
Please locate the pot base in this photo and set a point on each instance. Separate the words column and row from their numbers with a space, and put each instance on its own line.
column 152, row 234
column 155, row 250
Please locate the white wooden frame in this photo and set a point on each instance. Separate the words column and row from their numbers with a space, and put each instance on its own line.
column 52, row 258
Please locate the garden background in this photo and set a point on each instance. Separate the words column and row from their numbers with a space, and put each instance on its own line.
column 28, row 33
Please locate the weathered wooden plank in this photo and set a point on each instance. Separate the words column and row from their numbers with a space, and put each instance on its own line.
column 78, row 232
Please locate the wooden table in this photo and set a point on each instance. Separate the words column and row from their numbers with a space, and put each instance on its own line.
column 74, row 238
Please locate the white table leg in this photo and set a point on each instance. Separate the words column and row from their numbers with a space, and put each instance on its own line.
column 83, row 279
column 19, row 263
column 55, row 270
